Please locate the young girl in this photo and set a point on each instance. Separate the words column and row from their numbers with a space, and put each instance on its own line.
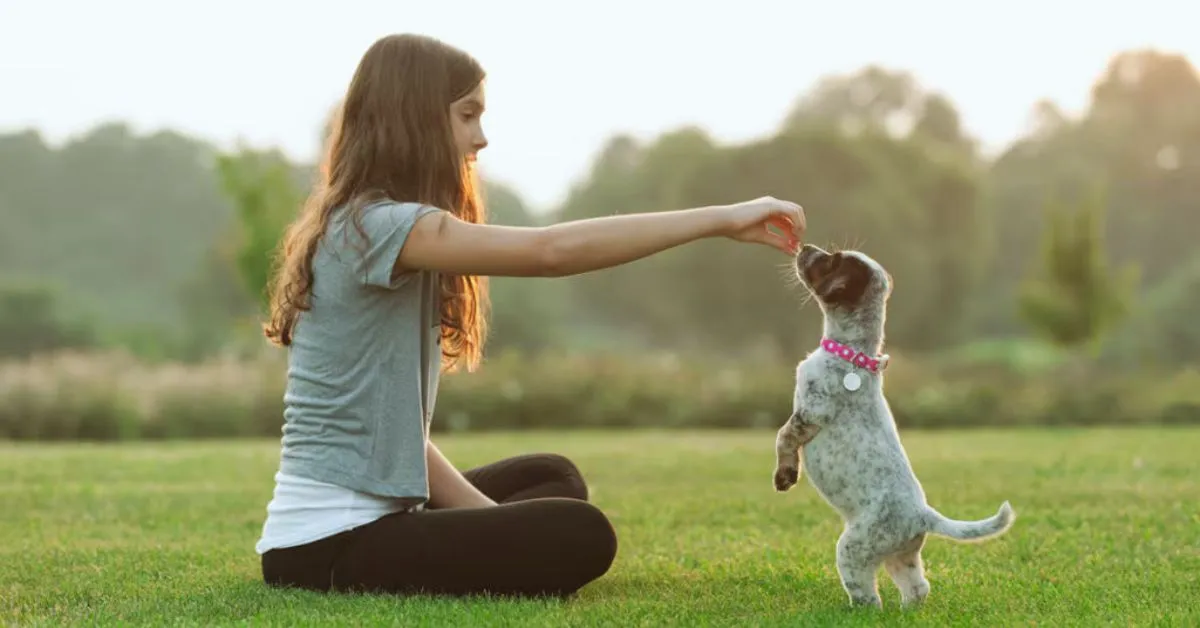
column 380, row 288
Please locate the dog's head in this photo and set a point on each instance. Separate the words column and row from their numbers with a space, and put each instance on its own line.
column 848, row 285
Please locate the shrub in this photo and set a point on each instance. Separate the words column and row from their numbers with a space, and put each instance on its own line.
column 113, row 396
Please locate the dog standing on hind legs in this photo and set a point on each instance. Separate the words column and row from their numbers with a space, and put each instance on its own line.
column 842, row 435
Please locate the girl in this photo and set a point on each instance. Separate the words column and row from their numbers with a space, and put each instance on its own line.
column 380, row 288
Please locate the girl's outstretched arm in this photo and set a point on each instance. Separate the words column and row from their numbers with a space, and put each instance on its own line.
column 440, row 241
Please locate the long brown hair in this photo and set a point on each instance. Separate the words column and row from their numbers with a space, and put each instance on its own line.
column 391, row 138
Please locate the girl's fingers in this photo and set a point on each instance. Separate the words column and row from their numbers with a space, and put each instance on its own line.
column 784, row 243
column 786, row 229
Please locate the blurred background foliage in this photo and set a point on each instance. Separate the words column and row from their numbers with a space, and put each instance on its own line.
column 1053, row 283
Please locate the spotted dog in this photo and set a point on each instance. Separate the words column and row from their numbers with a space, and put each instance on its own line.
column 843, row 428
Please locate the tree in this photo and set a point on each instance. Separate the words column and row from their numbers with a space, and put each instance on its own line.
column 115, row 219
column 872, row 99
column 1076, row 299
column 31, row 323
column 266, row 196
column 526, row 314
column 1136, row 136
column 910, row 202
column 1163, row 332
column 882, row 101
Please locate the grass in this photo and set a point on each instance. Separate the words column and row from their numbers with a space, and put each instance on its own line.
column 1108, row 532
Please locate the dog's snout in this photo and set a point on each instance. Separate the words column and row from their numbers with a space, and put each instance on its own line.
column 808, row 253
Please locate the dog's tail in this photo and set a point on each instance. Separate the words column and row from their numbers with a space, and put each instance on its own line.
column 970, row 531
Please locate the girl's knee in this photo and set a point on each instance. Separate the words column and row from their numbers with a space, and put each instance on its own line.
column 595, row 546
column 562, row 470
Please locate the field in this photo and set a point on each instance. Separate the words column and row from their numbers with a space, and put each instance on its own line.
column 1108, row 533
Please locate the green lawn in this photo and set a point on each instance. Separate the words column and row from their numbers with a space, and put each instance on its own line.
column 1108, row 532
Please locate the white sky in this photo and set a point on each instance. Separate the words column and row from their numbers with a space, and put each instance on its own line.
column 563, row 75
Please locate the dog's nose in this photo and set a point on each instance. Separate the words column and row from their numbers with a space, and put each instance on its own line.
column 809, row 252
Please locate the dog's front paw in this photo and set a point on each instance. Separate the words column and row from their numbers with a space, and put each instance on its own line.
column 786, row 477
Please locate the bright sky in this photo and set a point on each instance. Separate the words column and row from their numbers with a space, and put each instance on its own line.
column 563, row 75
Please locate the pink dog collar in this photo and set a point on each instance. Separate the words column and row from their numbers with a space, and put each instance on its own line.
column 854, row 356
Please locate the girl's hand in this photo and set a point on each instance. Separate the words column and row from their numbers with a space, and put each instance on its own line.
column 750, row 221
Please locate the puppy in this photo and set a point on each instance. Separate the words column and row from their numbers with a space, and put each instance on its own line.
column 851, row 451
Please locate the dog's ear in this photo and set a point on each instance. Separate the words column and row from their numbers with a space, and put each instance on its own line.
column 830, row 286
column 845, row 286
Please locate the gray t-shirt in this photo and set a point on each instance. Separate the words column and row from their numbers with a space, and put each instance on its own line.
column 364, row 362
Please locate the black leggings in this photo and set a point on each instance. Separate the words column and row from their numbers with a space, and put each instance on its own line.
column 543, row 538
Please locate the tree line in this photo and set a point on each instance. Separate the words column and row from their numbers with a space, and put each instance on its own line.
column 1078, row 233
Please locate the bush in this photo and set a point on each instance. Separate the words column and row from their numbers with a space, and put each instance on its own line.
column 114, row 397
column 31, row 321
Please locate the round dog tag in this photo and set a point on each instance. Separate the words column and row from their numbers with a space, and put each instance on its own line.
column 851, row 381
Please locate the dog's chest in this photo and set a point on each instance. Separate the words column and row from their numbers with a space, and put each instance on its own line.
column 826, row 391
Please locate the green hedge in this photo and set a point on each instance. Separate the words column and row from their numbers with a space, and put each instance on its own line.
column 113, row 397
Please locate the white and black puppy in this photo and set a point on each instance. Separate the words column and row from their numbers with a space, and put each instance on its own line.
column 851, row 451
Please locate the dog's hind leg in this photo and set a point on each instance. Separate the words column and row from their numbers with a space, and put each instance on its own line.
column 788, row 440
column 857, row 563
column 908, row 572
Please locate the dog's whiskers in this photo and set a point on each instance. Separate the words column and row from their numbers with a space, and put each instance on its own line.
column 787, row 272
